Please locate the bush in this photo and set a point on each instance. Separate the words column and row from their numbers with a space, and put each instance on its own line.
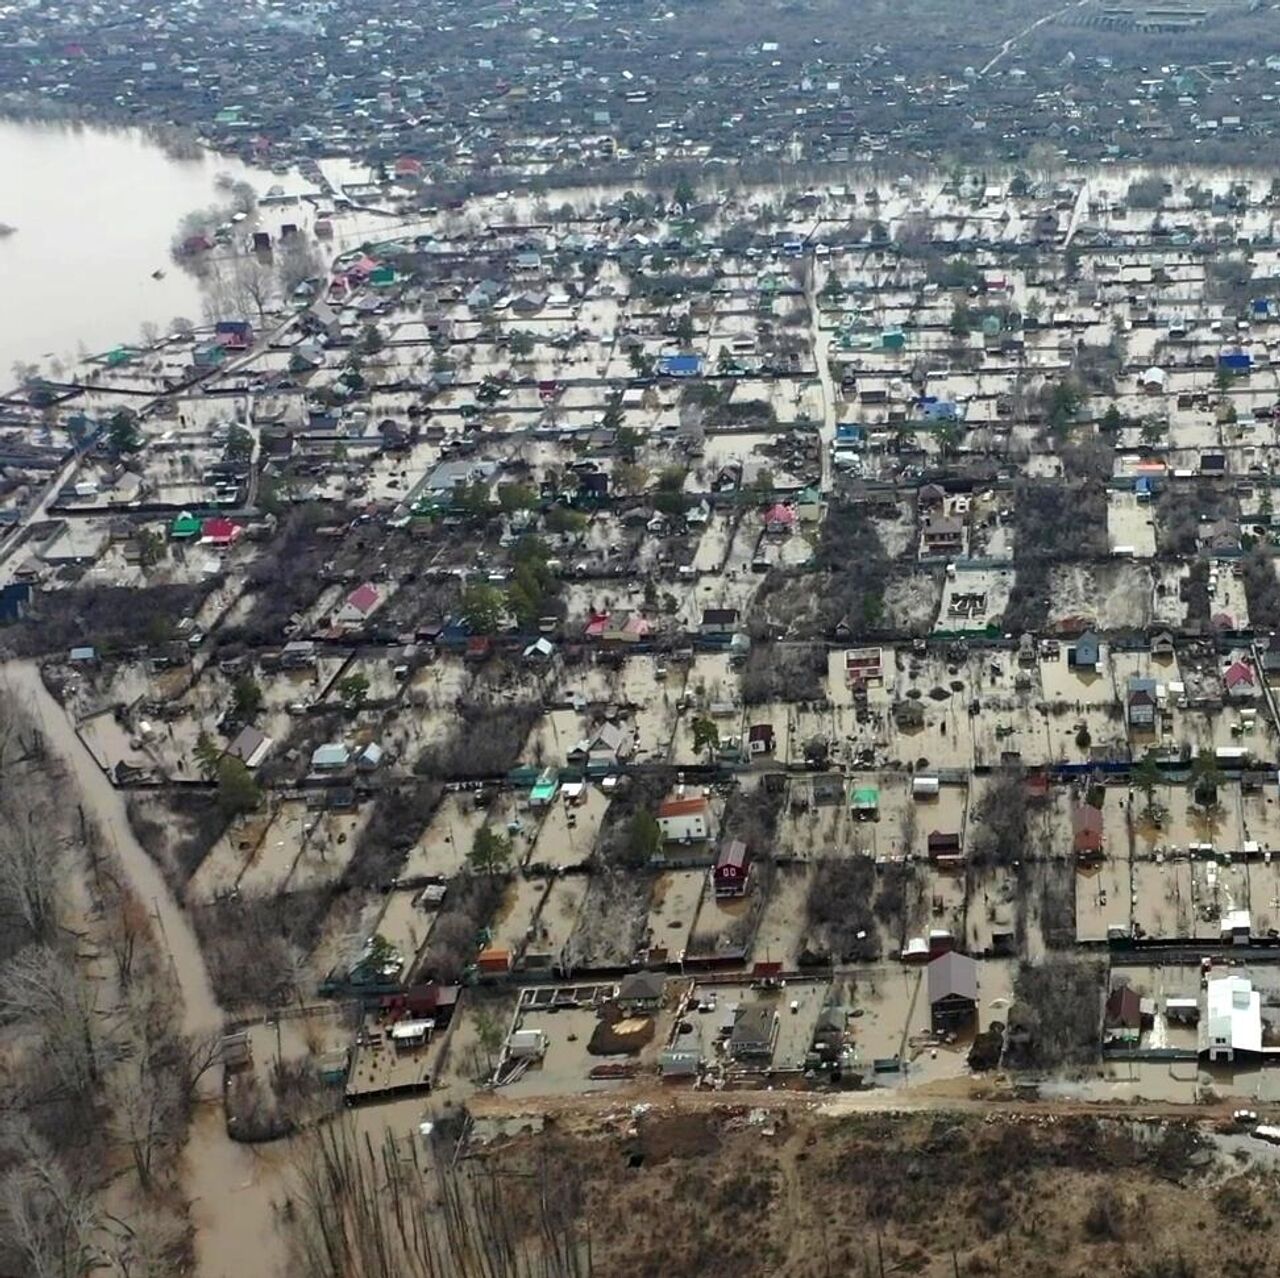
column 1056, row 1015
column 838, row 909
column 486, row 741
column 399, row 816
column 794, row 672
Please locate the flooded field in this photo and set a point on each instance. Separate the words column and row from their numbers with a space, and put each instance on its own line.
column 62, row 254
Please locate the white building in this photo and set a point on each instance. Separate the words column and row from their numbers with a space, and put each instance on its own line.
column 685, row 820
column 1233, row 1018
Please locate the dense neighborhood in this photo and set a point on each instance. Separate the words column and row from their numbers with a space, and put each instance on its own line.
column 683, row 587
column 827, row 624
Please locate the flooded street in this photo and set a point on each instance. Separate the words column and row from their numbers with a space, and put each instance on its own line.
column 201, row 1012
column 94, row 213
column 233, row 1187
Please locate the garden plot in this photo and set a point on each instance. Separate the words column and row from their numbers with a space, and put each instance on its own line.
column 272, row 859
column 1062, row 681
column 111, row 743
column 1102, row 898
column 1259, row 815
column 405, row 925
column 512, row 926
column 795, row 1009
column 974, row 598
column 944, row 813
column 567, row 831
column 1131, row 527
column 1185, row 822
column 1110, row 596
column 379, row 672
column 613, row 922
column 736, row 587
column 555, row 735
column 879, row 692
column 1074, row 733
column 809, row 829
column 1263, row 886
column 1227, row 599
column 327, row 849
column 715, row 543
column 783, row 926
column 673, row 907
column 439, row 684
column 556, row 920
column 912, row 603
column 221, row 869
column 806, row 721
column 441, row 850
column 565, row 1068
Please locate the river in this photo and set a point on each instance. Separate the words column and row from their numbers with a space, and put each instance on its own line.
column 95, row 213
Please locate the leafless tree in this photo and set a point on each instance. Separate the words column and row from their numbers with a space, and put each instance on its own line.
column 48, row 1219
column 31, row 859
column 299, row 261
column 42, row 988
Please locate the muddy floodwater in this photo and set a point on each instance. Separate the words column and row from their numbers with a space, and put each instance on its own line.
column 103, row 801
column 94, row 213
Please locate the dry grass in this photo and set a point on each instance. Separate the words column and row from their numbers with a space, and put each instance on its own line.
column 932, row 1195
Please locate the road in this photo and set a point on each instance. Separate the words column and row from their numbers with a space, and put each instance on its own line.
column 201, row 1013
column 953, row 1096
column 827, row 432
column 1026, row 31
column 9, row 559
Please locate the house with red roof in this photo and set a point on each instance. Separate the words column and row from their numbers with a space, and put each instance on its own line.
column 1086, row 827
column 779, row 518
column 1240, row 680
column 685, row 819
column 359, row 605
column 219, row 531
column 361, row 269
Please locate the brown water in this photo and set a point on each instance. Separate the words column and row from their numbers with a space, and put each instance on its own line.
column 95, row 212
column 201, row 1012
column 233, row 1188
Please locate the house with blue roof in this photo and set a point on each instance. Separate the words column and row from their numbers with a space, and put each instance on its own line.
column 933, row 409
column 680, row 366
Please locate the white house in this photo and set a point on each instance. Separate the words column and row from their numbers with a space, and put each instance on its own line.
column 1233, row 1019
column 684, row 820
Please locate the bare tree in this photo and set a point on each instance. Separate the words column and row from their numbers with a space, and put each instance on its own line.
column 299, row 261
column 30, row 876
column 42, row 988
column 48, row 1220
column 145, row 1105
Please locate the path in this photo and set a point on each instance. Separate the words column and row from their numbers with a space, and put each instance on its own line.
column 827, row 432
column 1077, row 213
column 961, row 1095
column 1026, row 31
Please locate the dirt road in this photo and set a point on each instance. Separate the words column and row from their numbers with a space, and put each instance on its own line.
column 955, row 1095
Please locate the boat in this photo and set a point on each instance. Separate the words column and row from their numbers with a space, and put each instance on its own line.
column 157, row 275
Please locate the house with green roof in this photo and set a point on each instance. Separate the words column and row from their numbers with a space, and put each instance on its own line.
column 864, row 802
column 185, row 527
